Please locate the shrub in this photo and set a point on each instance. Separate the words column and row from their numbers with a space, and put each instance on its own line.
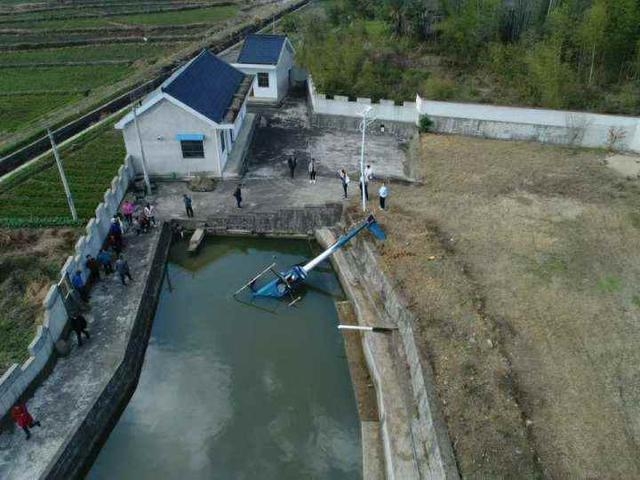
column 439, row 88
column 426, row 124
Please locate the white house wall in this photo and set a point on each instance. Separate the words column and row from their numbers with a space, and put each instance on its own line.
column 158, row 128
column 262, row 93
column 282, row 72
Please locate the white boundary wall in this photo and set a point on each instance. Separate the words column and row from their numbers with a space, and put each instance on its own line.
column 17, row 378
column 339, row 105
column 508, row 123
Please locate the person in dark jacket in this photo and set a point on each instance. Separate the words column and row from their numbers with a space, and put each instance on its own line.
column 23, row 419
column 187, row 205
column 238, row 195
column 80, row 286
column 122, row 267
column 115, row 231
column 292, row 163
column 104, row 258
column 79, row 325
column 94, row 270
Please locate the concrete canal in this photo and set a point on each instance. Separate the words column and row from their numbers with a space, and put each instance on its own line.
column 235, row 391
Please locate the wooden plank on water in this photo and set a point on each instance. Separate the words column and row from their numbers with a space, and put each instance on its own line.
column 196, row 239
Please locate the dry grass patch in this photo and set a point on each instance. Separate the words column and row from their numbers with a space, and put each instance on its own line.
column 30, row 261
column 530, row 310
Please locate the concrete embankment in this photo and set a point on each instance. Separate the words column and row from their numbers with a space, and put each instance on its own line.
column 77, row 453
column 286, row 221
column 414, row 435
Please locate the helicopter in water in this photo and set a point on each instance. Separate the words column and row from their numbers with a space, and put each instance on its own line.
column 289, row 282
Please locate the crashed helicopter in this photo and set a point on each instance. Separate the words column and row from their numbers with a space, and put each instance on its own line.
column 288, row 282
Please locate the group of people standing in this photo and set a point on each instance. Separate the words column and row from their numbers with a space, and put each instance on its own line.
column 368, row 177
column 365, row 179
column 110, row 259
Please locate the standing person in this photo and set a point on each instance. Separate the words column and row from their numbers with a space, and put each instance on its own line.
column 292, row 162
column 94, row 270
column 115, row 230
column 238, row 195
column 79, row 325
column 23, row 418
column 383, row 193
column 104, row 258
column 187, row 205
column 344, row 177
column 114, row 245
column 312, row 170
column 368, row 173
column 122, row 267
column 127, row 212
column 364, row 183
column 80, row 286
column 150, row 213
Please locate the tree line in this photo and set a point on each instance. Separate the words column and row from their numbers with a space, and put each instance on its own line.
column 581, row 54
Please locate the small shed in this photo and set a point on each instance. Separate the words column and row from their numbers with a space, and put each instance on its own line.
column 190, row 124
column 270, row 58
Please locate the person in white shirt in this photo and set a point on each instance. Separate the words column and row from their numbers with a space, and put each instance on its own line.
column 312, row 170
column 383, row 193
column 368, row 173
column 150, row 213
column 345, row 181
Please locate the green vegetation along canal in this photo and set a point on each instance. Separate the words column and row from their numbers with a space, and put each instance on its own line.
column 233, row 391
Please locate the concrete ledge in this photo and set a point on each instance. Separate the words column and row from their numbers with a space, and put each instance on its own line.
column 372, row 457
column 286, row 221
column 235, row 166
column 352, row 123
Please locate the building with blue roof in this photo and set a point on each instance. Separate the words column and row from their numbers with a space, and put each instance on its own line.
column 190, row 124
column 270, row 58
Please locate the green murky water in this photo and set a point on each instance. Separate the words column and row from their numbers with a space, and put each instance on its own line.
column 230, row 391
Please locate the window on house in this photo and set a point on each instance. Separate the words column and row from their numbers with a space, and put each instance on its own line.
column 263, row 79
column 192, row 148
column 223, row 144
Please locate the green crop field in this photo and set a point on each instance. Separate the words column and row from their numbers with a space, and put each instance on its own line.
column 34, row 195
column 71, row 79
column 34, row 97
column 16, row 110
column 148, row 51
column 209, row 15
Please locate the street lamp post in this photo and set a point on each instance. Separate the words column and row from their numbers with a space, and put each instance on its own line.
column 363, row 128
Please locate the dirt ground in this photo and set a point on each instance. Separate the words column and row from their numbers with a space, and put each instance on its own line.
column 522, row 263
column 30, row 260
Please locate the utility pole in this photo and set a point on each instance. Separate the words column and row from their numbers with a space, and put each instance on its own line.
column 363, row 127
column 143, row 159
column 63, row 177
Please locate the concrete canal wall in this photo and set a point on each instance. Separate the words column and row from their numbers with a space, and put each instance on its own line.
column 289, row 221
column 411, row 430
column 76, row 455
column 415, row 439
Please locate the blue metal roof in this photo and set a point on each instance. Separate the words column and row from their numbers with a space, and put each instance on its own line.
column 262, row 49
column 207, row 85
